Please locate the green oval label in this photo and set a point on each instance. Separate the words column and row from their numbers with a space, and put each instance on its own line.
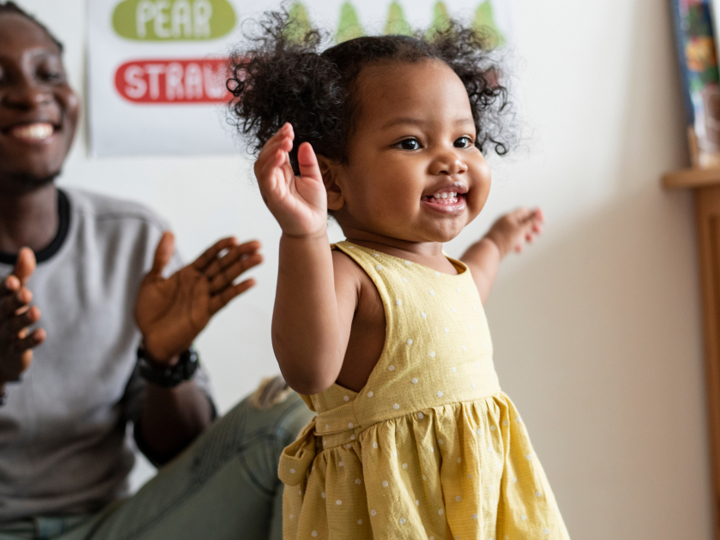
column 173, row 20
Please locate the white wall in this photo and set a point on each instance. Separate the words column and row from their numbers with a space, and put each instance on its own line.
column 596, row 328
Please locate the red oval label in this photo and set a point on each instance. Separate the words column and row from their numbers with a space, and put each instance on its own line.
column 174, row 81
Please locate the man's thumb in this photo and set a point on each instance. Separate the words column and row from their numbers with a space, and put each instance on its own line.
column 25, row 265
column 163, row 253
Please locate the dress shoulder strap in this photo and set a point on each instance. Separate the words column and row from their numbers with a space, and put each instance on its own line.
column 382, row 269
column 366, row 258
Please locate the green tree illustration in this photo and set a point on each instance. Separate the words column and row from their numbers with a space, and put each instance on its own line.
column 349, row 27
column 485, row 20
column 396, row 23
column 441, row 18
column 300, row 23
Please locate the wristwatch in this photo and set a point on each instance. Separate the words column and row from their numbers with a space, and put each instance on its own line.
column 3, row 389
column 167, row 376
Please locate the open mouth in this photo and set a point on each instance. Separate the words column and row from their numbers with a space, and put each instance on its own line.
column 450, row 199
column 445, row 198
column 36, row 132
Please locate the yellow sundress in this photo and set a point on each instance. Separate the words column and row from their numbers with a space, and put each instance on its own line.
column 430, row 448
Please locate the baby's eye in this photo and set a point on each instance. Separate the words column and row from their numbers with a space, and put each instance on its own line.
column 409, row 144
column 463, row 142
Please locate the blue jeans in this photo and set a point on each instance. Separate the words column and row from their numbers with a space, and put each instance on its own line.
column 224, row 486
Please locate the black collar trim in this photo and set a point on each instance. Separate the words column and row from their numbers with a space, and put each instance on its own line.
column 53, row 247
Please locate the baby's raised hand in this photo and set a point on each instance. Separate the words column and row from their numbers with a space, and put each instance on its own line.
column 513, row 230
column 299, row 203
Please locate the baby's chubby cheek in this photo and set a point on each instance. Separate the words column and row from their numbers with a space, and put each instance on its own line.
column 476, row 200
column 478, row 194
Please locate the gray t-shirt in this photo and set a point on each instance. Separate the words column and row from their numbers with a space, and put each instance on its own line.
column 64, row 445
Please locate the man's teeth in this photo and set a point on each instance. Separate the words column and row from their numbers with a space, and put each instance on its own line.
column 34, row 132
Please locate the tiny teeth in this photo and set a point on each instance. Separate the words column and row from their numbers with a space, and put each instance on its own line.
column 445, row 195
column 36, row 132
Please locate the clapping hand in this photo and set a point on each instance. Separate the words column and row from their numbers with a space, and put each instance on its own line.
column 16, row 317
column 172, row 312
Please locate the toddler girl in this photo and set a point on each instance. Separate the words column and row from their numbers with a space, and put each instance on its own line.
column 383, row 333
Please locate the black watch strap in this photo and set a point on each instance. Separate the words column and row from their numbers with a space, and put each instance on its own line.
column 168, row 376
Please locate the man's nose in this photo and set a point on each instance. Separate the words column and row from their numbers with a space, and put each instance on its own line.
column 26, row 95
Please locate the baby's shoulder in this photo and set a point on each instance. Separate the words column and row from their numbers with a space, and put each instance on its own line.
column 352, row 278
column 347, row 271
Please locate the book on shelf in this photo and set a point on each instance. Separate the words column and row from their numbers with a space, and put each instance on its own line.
column 698, row 60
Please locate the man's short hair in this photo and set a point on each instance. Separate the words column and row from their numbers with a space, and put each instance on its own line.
column 10, row 7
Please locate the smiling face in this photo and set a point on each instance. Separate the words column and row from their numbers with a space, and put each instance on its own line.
column 38, row 109
column 413, row 172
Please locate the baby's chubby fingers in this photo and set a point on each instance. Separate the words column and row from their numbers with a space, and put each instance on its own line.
column 537, row 220
column 538, row 215
column 530, row 220
column 282, row 141
column 275, row 150
column 533, row 225
column 308, row 163
column 513, row 230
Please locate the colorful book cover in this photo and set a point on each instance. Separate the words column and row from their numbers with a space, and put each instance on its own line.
column 695, row 41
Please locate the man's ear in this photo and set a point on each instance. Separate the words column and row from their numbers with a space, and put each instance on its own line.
column 329, row 170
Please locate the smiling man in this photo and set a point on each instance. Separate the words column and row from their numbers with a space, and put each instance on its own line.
column 82, row 278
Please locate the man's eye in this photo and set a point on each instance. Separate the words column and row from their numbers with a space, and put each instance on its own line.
column 463, row 142
column 409, row 144
column 50, row 70
column 51, row 76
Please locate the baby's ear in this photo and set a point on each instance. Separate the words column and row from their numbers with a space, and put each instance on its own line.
column 329, row 171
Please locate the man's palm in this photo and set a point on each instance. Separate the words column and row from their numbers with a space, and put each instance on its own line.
column 172, row 312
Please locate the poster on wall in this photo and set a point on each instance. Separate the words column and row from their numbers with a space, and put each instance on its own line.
column 157, row 68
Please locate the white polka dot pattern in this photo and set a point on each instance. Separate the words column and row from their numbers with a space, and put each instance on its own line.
column 437, row 355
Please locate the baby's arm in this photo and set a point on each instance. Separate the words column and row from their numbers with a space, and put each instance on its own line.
column 311, row 319
column 509, row 233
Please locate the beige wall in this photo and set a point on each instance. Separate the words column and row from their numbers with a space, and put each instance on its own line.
column 596, row 328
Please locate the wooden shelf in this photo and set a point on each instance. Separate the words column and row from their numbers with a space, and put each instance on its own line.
column 706, row 191
column 691, row 178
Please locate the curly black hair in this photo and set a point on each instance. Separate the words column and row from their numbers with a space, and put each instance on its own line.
column 7, row 8
column 283, row 77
